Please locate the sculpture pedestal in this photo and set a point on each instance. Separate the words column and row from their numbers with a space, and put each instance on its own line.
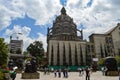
column 35, row 75
column 112, row 73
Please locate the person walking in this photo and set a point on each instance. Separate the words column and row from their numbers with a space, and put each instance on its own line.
column 13, row 74
column 87, row 70
column 119, row 73
column 79, row 70
column 64, row 73
column 55, row 73
column 59, row 73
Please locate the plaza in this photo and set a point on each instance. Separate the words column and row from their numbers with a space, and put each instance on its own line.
column 72, row 76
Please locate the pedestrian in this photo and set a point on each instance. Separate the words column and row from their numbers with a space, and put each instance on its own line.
column 45, row 70
column 55, row 73
column 59, row 73
column 103, row 70
column 119, row 73
column 66, row 72
column 64, row 75
column 13, row 74
column 82, row 71
column 87, row 70
column 79, row 70
column 52, row 69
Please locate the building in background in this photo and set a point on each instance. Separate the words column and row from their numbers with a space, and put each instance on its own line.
column 65, row 46
column 16, row 46
column 107, row 44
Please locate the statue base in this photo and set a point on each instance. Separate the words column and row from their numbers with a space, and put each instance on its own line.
column 35, row 75
column 112, row 73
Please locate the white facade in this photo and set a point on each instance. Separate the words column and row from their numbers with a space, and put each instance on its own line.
column 66, row 47
column 107, row 44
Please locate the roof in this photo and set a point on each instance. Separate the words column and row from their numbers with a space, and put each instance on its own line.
column 108, row 32
column 111, row 30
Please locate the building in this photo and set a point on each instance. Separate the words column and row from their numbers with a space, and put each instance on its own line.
column 16, row 57
column 16, row 45
column 65, row 47
column 107, row 44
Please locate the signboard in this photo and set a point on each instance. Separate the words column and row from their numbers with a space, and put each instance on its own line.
column 95, row 59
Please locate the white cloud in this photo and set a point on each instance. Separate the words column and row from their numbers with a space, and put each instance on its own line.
column 24, row 36
column 41, row 11
column 102, row 15
column 15, row 33
column 99, row 17
column 43, row 38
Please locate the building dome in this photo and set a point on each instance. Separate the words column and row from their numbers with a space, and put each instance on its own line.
column 63, row 27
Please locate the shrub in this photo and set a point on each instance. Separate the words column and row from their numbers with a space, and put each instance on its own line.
column 1, row 75
column 101, row 62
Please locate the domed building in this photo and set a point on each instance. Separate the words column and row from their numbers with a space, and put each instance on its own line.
column 65, row 46
column 64, row 28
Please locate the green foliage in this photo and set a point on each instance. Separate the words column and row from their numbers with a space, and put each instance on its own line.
column 25, row 52
column 101, row 62
column 1, row 75
column 3, row 52
column 118, row 60
column 4, row 71
column 36, row 49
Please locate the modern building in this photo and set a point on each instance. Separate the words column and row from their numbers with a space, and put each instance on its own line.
column 107, row 44
column 16, row 56
column 65, row 47
column 16, row 45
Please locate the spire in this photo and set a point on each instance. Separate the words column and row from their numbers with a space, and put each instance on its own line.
column 63, row 11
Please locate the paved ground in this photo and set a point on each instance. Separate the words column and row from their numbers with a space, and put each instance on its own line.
column 72, row 76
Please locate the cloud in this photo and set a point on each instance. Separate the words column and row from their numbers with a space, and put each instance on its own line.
column 43, row 38
column 97, row 17
column 24, row 36
column 40, row 11
column 15, row 33
column 101, row 16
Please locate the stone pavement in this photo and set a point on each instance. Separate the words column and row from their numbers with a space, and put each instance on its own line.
column 72, row 76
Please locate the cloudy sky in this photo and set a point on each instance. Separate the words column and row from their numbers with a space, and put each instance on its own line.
column 33, row 17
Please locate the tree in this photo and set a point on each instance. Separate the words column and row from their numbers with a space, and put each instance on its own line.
column 36, row 50
column 118, row 60
column 3, row 52
column 25, row 52
column 101, row 62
